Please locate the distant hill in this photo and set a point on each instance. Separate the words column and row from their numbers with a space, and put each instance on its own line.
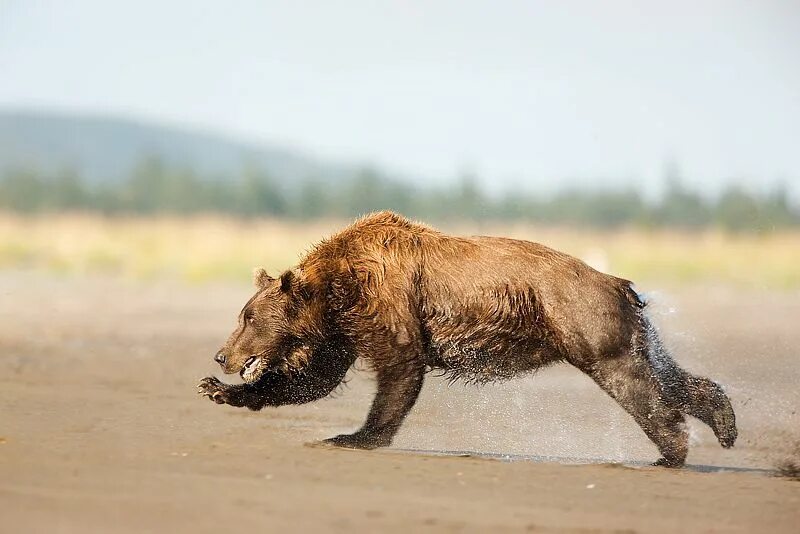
column 106, row 149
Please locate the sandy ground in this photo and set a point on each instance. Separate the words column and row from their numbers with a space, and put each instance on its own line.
column 101, row 429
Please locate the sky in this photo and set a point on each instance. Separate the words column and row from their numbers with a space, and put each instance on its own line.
column 524, row 94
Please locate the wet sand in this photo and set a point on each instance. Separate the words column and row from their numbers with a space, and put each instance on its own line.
column 101, row 429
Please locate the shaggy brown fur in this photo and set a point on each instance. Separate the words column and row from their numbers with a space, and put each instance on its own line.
column 408, row 299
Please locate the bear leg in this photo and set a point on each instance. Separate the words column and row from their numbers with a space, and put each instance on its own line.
column 399, row 384
column 632, row 383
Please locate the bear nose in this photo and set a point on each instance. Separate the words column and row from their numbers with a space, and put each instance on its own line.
column 220, row 358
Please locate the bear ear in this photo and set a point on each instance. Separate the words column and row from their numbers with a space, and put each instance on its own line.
column 293, row 283
column 261, row 279
column 286, row 281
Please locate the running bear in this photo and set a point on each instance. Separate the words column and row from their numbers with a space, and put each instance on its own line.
column 408, row 299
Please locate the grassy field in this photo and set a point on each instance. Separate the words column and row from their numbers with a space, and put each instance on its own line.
column 206, row 248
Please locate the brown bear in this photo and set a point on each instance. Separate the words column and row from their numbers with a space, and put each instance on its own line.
column 407, row 299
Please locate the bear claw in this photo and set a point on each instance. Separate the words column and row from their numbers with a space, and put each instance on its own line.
column 212, row 388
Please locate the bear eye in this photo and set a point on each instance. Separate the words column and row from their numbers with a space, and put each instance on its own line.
column 249, row 317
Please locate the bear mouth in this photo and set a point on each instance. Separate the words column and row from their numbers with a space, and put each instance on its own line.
column 253, row 369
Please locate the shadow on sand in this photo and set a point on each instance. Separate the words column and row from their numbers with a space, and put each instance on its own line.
column 698, row 468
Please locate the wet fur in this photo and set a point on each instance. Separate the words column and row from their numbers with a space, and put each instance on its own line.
column 407, row 299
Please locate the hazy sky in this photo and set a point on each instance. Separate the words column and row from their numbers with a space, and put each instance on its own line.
column 524, row 93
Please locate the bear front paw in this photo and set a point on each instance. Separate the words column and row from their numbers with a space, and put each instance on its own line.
column 212, row 388
column 672, row 463
column 358, row 440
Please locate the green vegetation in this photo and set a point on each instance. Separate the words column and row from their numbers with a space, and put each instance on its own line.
column 203, row 247
column 155, row 188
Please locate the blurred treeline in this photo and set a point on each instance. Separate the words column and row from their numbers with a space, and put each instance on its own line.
column 153, row 188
